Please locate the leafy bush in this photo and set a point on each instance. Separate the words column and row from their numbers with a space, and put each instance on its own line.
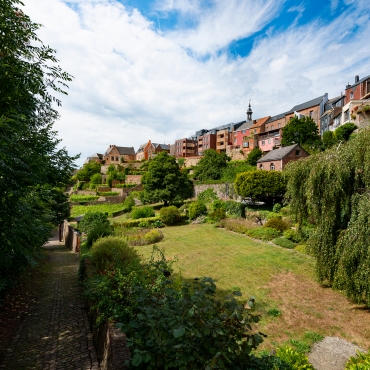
column 301, row 248
column 189, row 329
column 218, row 214
column 112, row 251
column 93, row 219
column 153, row 236
column 359, row 362
column 276, row 208
column 95, row 179
column 142, row 212
column 170, row 215
column 297, row 361
column 98, row 231
column 235, row 167
column 157, row 224
column 277, row 223
column 129, row 203
column 254, row 156
column 263, row 233
column 197, row 209
column 343, row 132
column 235, row 208
column 83, row 198
column 108, row 193
column 291, row 235
column 207, row 196
column 285, row 243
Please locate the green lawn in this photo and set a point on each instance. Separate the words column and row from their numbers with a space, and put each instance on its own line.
column 233, row 260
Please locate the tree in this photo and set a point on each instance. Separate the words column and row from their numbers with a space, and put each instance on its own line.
column 342, row 133
column 332, row 189
column 33, row 171
column 211, row 166
column 88, row 170
column 328, row 139
column 254, row 155
column 302, row 131
column 165, row 182
column 260, row 185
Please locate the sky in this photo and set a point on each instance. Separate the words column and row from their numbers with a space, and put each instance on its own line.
column 160, row 70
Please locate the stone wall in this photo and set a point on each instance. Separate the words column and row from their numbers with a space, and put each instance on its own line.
column 133, row 179
column 236, row 154
column 71, row 237
column 220, row 190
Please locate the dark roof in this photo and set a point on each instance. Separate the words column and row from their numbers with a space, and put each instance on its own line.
column 277, row 154
column 334, row 100
column 360, row 81
column 245, row 125
column 275, row 118
column 126, row 150
column 307, row 104
column 163, row 146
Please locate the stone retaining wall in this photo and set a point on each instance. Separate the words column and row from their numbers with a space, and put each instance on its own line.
column 71, row 237
column 220, row 190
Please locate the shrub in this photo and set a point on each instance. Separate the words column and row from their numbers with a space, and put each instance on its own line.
column 134, row 223
column 93, row 219
column 129, row 203
column 197, row 209
column 158, row 224
column 291, row 235
column 359, row 362
column 218, row 214
column 207, row 196
column 301, row 248
column 277, row 223
column 98, row 231
column 276, row 208
column 285, row 243
column 170, row 215
column 142, row 212
column 238, row 225
column 95, row 179
column 153, row 236
column 235, row 208
column 112, row 251
column 108, row 193
column 83, row 198
column 297, row 361
column 263, row 233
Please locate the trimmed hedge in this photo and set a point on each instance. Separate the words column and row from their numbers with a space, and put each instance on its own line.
column 285, row 243
column 135, row 223
column 263, row 233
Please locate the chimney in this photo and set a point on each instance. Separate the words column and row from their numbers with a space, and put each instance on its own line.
column 357, row 78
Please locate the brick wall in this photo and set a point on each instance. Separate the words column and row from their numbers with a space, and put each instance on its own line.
column 133, row 179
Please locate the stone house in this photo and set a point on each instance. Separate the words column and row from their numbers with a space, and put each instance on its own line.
column 97, row 157
column 277, row 159
column 118, row 154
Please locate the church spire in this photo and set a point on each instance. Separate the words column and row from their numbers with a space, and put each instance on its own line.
column 249, row 112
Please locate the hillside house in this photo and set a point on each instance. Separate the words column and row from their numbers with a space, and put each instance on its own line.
column 118, row 154
column 150, row 150
column 277, row 159
column 96, row 157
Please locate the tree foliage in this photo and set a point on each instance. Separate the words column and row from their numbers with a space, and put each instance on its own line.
column 342, row 133
column 260, row 185
column 211, row 166
column 165, row 182
column 32, row 170
column 88, row 170
column 302, row 131
column 254, row 155
column 332, row 190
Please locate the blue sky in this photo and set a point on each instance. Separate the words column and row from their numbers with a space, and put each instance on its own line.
column 163, row 69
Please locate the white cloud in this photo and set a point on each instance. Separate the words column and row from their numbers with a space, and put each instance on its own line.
column 133, row 83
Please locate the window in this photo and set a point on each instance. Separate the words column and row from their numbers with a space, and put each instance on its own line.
column 311, row 113
column 279, row 125
column 346, row 115
column 255, row 130
column 246, row 144
column 243, row 131
column 117, row 159
column 272, row 127
column 112, row 158
column 297, row 152
column 272, row 167
column 261, row 166
column 351, row 95
column 263, row 142
column 290, row 118
column 268, row 141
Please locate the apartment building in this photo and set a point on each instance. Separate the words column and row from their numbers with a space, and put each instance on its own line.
column 186, row 148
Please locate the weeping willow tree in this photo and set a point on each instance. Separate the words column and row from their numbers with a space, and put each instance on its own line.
column 333, row 189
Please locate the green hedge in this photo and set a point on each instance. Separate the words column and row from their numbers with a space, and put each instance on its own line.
column 263, row 233
column 283, row 242
column 135, row 223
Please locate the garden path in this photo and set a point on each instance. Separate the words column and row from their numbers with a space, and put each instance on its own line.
column 54, row 333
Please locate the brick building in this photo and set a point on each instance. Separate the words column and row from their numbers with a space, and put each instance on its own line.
column 186, row 148
column 97, row 157
column 150, row 150
column 277, row 159
column 207, row 141
column 117, row 154
column 359, row 90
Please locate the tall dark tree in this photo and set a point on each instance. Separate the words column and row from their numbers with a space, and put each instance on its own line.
column 302, row 131
column 211, row 166
column 165, row 182
column 32, row 169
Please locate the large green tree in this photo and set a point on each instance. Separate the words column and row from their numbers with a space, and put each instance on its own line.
column 211, row 166
column 32, row 168
column 302, row 131
column 254, row 155
column 260, row 185
column 332, row 190
column 88, row 170
column 165, row 182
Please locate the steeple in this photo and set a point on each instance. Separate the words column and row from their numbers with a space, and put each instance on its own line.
column 249, row 112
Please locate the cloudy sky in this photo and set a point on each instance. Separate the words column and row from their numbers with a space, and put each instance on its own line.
column 162, row 69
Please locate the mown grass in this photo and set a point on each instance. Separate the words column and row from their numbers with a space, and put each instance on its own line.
column 233, row 260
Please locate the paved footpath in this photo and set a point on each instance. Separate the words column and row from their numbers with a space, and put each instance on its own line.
column 56, row 333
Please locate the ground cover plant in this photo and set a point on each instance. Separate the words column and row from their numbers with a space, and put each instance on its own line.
column 102, row 208
column 277, row 277
column 142, row 212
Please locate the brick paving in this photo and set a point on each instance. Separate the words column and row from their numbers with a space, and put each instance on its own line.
column 56, row 334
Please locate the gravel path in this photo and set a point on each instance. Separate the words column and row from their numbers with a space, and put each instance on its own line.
column 55, row 334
